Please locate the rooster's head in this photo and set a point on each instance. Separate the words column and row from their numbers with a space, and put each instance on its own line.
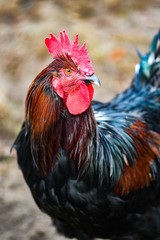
column 73, row 73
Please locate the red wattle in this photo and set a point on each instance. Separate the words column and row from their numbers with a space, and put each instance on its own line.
column 79, row 100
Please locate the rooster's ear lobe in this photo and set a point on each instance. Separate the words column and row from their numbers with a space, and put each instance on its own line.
column 55, row 73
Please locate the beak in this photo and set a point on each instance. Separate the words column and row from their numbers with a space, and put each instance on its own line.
column 92, row 79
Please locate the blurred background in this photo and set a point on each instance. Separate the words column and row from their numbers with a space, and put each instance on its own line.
column 112, row 30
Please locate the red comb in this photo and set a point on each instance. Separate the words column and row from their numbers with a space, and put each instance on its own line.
column 78, row 55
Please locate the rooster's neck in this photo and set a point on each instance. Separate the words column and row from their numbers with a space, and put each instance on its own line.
column 54, row 129
column 80, row 132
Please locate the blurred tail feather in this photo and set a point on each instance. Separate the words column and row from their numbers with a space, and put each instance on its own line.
column 148, row 70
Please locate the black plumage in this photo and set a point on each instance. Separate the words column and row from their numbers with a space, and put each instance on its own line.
column 96, row 174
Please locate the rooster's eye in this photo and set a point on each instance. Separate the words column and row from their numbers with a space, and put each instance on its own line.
column 68, row 70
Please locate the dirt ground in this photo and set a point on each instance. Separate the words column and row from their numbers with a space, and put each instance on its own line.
column 112, row 30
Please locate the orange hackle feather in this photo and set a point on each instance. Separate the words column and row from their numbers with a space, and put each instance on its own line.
column 41, row 113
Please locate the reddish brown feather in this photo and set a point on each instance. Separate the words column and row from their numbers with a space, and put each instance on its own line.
column 139, row 175
column 81, row 132
column 41, row 115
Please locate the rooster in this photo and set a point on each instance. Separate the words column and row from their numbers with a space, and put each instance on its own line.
column 93, row 167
